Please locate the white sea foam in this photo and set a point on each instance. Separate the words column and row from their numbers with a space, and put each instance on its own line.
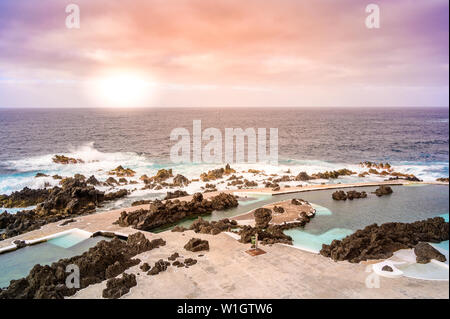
column 98, row 163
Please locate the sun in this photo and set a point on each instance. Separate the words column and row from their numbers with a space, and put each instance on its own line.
column 122, row 89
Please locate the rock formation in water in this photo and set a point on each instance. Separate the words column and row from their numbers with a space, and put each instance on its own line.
column 214, row 227
column 92, row 181
column 119, row 171
column 217, row 173
column 333, row 174
column 380, row 242
column 176, row 194
column 180, row 181
column 341, row 195
column 24, row 198
column 425, row 252
column 105, row 260
column 117, row 287
column 387, row 268
column 383, row 190
column 159, row 266
column 74, row 198
column 169, row 212
column 62, row 159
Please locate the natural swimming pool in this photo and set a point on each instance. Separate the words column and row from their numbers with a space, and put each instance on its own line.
column 17, row 264
column 337, row 219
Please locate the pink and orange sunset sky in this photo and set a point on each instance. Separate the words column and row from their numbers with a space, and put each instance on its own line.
column 163, row 53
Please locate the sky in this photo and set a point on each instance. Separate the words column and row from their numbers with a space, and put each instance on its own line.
column 200, row 53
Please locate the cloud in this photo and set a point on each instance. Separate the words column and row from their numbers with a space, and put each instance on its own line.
column 275, row 45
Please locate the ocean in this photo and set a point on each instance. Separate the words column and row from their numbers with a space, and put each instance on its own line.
column 413, row 140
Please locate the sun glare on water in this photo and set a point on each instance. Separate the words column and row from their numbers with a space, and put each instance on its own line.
column 122, row 90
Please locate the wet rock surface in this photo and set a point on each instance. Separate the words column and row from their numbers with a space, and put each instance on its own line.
column 169, row 212
column 380, row 242
column 62, row 159
column 425, row 252
column 105, row 260
column 117, row 287
column 217, row 173
column 119, row 171
column 24, row 198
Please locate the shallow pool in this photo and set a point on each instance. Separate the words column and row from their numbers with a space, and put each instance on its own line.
column 337, row 219
column 17, row 264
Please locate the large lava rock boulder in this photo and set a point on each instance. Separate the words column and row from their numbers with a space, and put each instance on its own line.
column 339, row 195
column 425, row 252
column 117, row 287
column 383, row 190
column 197, row 244
column 262, row 217
column 354, row 194
column 303, row 177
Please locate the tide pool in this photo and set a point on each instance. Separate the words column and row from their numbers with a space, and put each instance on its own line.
column 311, row 242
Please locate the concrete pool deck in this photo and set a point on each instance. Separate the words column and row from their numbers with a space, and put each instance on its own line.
column 227, row 272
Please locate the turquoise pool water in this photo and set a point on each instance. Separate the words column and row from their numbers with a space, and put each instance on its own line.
column 337, row 219
column 68, row 240
column 17, row 264
column 313, row 243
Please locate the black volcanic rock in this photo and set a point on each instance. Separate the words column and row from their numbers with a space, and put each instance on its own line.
column 214, row 227
column 117, row 287
column 425, row 252
column 196, row 244
column 24, row 198
column 176, row 194
column 107, row 258
column 169, row 212
column 262, row 217
column 380, row 242
column 92, row 181
column 383, row 190
column 341, row 195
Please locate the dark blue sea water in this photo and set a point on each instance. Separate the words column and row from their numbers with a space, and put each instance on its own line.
column 332, row 135
column 312, row 139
